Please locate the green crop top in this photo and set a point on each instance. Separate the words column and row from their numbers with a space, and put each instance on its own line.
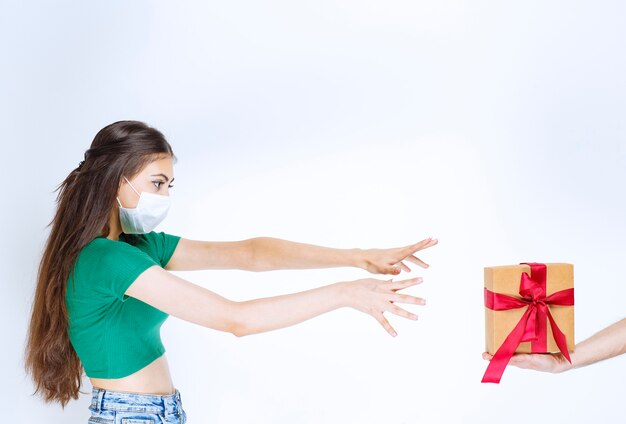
column 114, row 334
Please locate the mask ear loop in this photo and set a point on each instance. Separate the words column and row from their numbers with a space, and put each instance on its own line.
column 131, row 186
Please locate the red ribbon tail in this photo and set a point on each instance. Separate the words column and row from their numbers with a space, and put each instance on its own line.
column 503, row 355
column 559, row 337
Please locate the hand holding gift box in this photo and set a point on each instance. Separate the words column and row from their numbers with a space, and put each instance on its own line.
column 528, row 308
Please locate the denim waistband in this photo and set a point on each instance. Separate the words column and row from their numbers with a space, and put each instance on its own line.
column 102, row 399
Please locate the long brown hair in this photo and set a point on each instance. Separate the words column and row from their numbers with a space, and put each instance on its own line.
column 85, row 203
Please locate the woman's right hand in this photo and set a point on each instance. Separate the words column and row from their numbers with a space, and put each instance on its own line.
column 374, row 297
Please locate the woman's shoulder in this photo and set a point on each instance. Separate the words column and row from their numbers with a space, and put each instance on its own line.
column 108, row 267
column 103, row 255
column 102, row 248
column 158, row 246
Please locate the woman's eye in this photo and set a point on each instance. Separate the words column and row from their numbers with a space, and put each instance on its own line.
column 158, row 184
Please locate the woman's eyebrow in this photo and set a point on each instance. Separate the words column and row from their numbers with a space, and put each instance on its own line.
column 164, row 176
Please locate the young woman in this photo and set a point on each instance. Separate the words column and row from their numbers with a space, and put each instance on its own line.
column 104, row 290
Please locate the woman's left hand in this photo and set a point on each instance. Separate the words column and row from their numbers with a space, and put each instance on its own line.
column 389, row 261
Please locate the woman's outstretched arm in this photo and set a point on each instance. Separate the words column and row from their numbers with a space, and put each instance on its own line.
column 605, row 344
column 268, row 253
column 272, row 253
column 183, row 299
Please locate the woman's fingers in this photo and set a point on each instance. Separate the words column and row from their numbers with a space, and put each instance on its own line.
column 383, row 321
column 401, row 312
column 424, row 244
column 417, row 261
column 387, row 289
column 408, row 252
column 407, row 298
column 402, row 284
column 401, row 265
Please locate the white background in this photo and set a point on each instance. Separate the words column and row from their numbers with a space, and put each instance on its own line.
column 497, row 127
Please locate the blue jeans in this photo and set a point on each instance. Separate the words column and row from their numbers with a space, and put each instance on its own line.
column 108, row 407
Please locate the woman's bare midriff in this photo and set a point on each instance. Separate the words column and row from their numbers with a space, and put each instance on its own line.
column 154, row 378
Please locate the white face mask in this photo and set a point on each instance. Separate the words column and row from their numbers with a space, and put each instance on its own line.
column 150, row 211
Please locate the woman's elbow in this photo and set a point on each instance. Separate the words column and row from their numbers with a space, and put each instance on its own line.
column 236, row 324
column 238, row 329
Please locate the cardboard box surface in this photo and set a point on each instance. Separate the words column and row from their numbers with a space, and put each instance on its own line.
column 506, row 280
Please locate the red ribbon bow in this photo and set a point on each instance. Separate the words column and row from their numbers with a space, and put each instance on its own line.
column 532, row 326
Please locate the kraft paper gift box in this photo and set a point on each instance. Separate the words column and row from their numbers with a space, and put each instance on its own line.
column 527, row 304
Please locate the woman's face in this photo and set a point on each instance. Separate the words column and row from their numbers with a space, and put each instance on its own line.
column 154, row 178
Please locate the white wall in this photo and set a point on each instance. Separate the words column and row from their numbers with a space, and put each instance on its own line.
column 497, row 127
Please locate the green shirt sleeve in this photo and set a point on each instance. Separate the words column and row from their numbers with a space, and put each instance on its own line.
column 163, row 245
column 122, row 264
